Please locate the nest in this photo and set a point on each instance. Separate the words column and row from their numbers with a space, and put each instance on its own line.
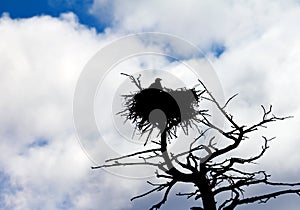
column 176, row 108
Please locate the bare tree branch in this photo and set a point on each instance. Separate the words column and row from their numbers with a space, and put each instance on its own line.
column 202, row 164
column 267, row 197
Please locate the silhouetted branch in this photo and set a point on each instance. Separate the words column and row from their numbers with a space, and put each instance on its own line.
column 265, row 198
column 265, row 119
column 134, row 154
column 189, row 194
column 212, row 98
column 227, row 102
column 168, row 186
column 201, row 164
column 117, row 163
column 135, row 81
column 165, row 197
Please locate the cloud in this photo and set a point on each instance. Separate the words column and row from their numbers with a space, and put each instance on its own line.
column 261, row 42
column 42, row 58
column 205, row 22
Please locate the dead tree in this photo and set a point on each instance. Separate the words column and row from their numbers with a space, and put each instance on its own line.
column 212, row 172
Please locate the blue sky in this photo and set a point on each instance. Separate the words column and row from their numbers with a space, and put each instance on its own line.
column 253, row 46
column 82, row 9
column 30, row 8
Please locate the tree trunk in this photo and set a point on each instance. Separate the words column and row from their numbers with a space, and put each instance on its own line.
column 208, row 201
column 201, row 182
column 208, row 198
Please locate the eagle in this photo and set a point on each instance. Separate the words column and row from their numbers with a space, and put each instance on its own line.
column 156, row 84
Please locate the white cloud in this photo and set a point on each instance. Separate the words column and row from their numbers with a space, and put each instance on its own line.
column 260, row 60
column 42, row 57
column 202, row 22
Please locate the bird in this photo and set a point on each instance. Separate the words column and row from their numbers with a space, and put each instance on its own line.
column 156, row 84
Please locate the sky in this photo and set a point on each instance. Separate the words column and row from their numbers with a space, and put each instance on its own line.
column 253, row 47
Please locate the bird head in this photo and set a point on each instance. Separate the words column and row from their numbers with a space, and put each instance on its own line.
column 158, row 79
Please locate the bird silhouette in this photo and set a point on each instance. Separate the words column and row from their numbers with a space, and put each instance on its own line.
column 156, row 84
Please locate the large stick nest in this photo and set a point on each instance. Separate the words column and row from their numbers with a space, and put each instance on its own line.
column 177, row 108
